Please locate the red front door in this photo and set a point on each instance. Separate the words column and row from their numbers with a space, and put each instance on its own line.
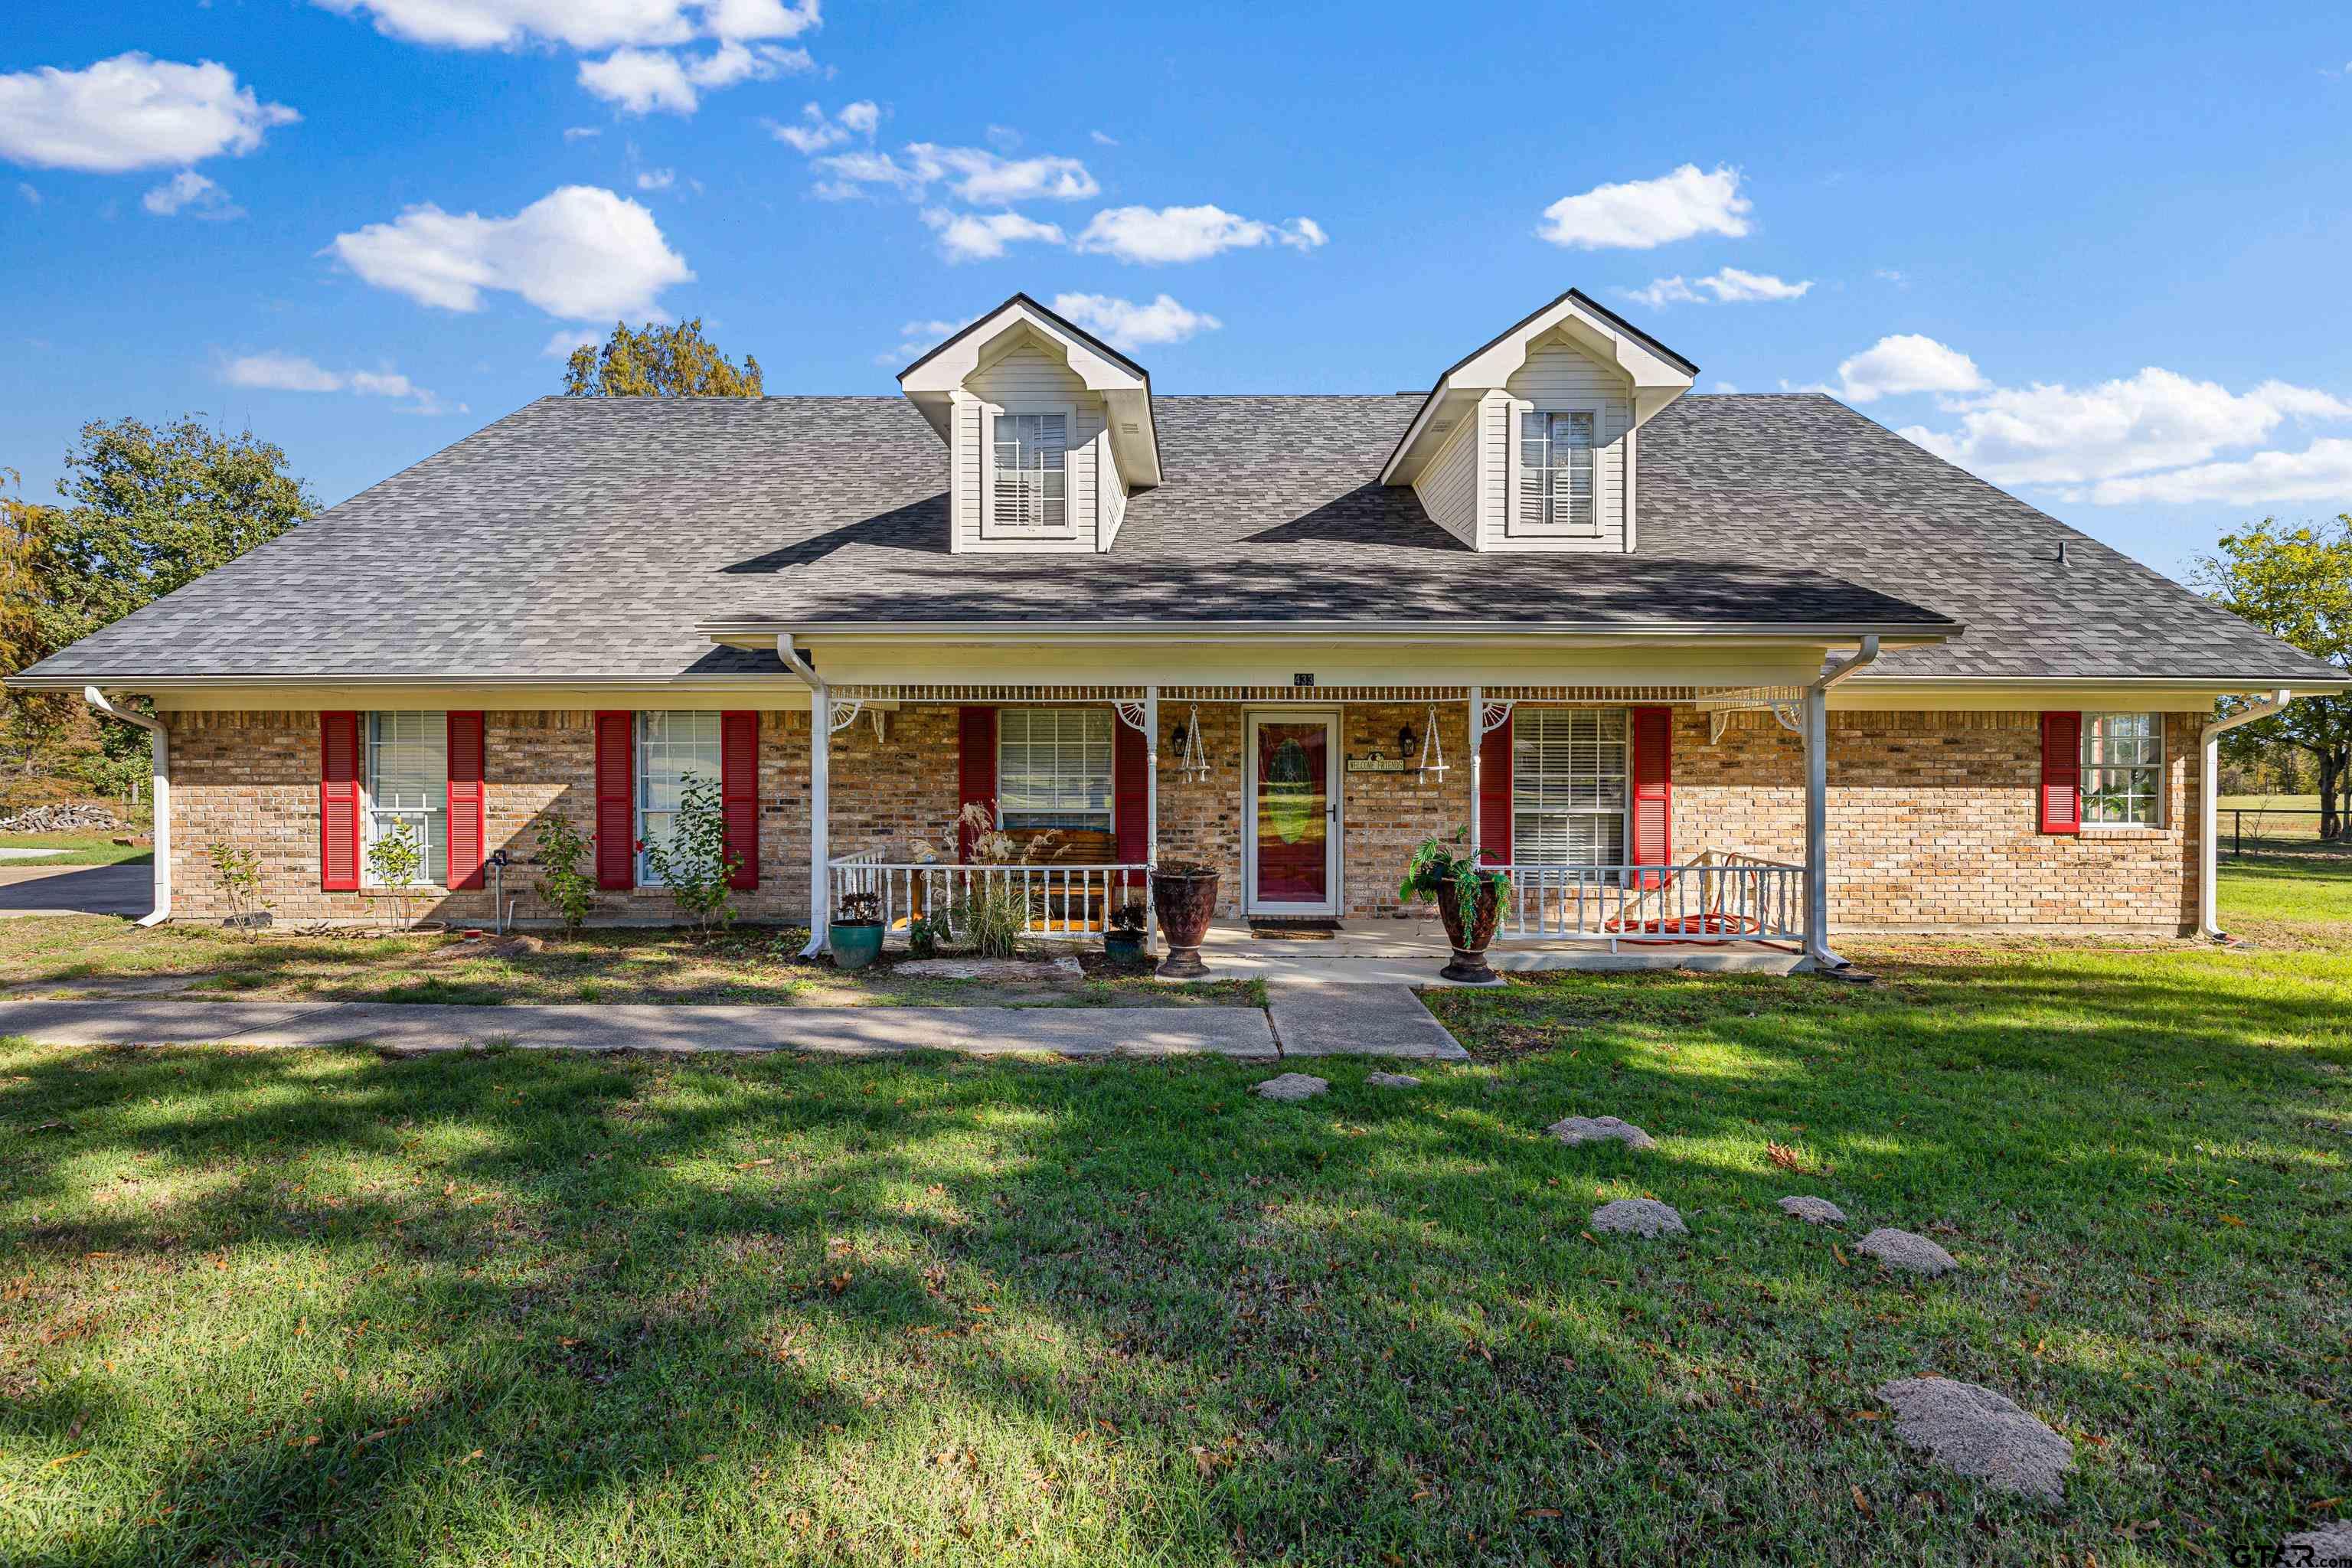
column 1291, row 813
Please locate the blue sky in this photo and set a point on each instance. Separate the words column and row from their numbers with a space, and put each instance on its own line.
column 2094, row 253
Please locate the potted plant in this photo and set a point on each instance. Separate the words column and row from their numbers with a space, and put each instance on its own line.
column 1184, row 895
column 1469, row 900
column 854, row 933
column 1123, row 942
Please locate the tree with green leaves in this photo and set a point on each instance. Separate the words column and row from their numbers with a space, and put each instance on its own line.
column 655, row 361
column 2296, row 585
column 153, row 508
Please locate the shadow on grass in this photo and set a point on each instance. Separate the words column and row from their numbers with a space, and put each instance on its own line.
column 590, row 1308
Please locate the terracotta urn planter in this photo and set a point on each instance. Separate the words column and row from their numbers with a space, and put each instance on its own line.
column 1470, row 937
column 1183, row 897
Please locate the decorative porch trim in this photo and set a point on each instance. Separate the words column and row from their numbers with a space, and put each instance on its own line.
column 889, row 693
column 1492, row 716
column 1136, row 716
column 1130, row 699
column 844, row 714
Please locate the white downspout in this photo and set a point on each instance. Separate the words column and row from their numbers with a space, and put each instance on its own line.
column 820, row 767
column 160, row 744
column 1817, row 811
column 1477, row 718
column 2209, row 814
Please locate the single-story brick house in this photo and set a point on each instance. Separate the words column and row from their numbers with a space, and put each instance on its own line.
column 1694, row 667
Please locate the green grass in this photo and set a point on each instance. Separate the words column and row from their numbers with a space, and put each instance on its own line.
column 336, row 1308
column 72, row 849
column 67, row 956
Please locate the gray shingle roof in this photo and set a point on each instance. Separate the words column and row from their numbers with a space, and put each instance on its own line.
column 579, row 537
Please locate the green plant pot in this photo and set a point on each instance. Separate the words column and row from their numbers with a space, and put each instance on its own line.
column 1123, row 949
column 854, row 944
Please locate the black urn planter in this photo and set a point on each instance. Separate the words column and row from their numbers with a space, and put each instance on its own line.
column 1470, row 936
column 1183, row 897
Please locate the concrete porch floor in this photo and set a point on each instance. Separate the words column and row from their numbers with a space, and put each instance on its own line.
column 1372, row 952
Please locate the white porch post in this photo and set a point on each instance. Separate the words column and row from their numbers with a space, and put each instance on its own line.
column 820, row 768
column 1817, row 842
column 159, row 751
column 1477, row 721
column 1151, row 807
column 2209, row 812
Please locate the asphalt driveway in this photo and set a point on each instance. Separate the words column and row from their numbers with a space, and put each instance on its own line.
column 127, row 890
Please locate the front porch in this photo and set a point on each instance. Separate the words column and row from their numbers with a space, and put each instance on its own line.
column 1308, row 801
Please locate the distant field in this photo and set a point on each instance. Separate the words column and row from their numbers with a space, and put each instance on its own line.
column 2273, row 802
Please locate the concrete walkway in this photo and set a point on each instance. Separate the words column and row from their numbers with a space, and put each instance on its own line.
column 1380, row 1022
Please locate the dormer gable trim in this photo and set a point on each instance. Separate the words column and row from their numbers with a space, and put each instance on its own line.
column 933, row 382
column 1657, row 372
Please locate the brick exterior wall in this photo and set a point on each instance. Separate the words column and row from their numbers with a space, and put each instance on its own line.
column 1932, row 815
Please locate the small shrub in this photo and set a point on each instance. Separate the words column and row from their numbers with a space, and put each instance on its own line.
column 236, row 870
column 394, row 860
column 695, row 865
column 568, row 889
column 922, row 937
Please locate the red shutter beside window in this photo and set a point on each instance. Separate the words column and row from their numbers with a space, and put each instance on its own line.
column 339, row 803
column 2062, row 772
column 975, row 768
column 616, row 812
column 1130, row 791
column 1653, row 786
column 466, row 801
column 1494, row 795
column 739, row 790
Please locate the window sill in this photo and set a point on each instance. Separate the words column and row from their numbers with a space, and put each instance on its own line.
column 2120, row 830
column 413, row 890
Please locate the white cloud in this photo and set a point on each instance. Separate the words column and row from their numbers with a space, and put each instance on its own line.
column 579, row 252
column 916, row 337
column 2051, row 435
column 189, row 191
column 563, row 339
column 1188, row 233
column 1124, row 324
column 580, row 23
column 275, row 371
column 815, row 132
column 1641, row 213
column 656, row 179
column 643, row 80
column 25, row 189
column 1003, row 138
column 1728, row 287
column 582, row 132
column 1906, row 361
column 131, row 112
column 982, row 236
column 2321, row 472
column 1102, row 140
column 973, row 174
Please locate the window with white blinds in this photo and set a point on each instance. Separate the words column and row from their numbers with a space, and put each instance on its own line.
column 1568, row 786
column 1031, row 481
column 1053, row 767
column 1556, row 473
column 672, row 749
column 408, row 786
column 2123, row 770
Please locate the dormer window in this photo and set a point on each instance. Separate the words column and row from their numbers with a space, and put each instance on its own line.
column 1029, row 494
column 1556, row 451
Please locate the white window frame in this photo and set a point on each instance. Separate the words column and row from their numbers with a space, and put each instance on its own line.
column 430, row 868
column 1514, row 524
column 643, row 811
column 1521, row 782
column 2091, row 760
column 1108, row 816
column 991, row 528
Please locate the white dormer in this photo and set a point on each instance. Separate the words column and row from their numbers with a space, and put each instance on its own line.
column 1530, row 442
column 1049, row 430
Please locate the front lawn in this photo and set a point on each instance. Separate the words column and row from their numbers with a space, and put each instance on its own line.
column 71, row 849
column 329, row 1307
column 92, row 955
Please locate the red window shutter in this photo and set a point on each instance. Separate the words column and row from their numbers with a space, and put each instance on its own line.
column 739, row 790
column 2062, row 772
column 616, row 809
column 339, row 803
column 466, row 801
column 1653, row 786
column 1130, row 791
column 1495, row 796
column 975, row 767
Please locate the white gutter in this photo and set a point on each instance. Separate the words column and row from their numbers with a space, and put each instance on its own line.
column 2209, row 814
column 1225, row 631
column 160, row 745
column 820, row 805
column 1817, row 791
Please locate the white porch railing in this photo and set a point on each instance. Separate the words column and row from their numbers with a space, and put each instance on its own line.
column 1720, row 897
column 1063, row 902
